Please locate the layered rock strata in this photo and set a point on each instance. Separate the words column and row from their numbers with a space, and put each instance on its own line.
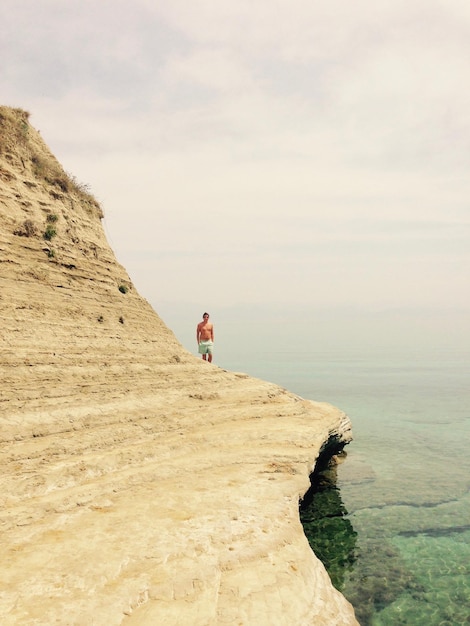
column 138, row 484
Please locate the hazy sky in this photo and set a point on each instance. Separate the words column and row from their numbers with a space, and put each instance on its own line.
column 292, row 153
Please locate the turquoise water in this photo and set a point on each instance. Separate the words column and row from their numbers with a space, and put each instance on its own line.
column 399, row 548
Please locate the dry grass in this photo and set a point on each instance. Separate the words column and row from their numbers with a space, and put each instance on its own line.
column 28, row 229
column 17, row 136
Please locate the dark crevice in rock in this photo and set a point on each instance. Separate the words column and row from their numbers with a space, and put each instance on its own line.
column 324, row 517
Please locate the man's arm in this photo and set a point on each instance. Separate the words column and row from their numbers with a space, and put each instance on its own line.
column 212, row 333
column 198, row 332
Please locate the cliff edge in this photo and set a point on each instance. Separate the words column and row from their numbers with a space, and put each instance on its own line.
column 138, row 484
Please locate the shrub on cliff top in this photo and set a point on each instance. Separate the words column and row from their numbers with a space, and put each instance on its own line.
column 13, row 123
column 16, row 135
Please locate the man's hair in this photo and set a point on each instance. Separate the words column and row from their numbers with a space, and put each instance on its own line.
column 205, row 313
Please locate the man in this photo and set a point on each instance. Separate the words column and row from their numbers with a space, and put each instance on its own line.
column 205, row 337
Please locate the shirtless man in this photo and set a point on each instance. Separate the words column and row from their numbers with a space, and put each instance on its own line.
column 205, row 338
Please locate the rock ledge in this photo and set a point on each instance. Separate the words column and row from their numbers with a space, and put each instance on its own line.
column 139, row 485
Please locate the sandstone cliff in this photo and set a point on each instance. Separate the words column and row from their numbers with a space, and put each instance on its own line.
column 139, row 485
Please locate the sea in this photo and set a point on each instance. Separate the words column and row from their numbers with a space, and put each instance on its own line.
column 391, row 521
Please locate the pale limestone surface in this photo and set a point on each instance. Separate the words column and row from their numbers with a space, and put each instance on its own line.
column 138, row 484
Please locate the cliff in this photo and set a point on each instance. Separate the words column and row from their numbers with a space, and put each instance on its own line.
column 139, row 485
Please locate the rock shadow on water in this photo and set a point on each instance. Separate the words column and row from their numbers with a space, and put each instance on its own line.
column 353, row 564
column 324, row 518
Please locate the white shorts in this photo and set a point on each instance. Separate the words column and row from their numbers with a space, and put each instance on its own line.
column 205, row 347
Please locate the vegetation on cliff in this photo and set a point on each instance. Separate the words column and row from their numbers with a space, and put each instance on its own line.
column 19, row 141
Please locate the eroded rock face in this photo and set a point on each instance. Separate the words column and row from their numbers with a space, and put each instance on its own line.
column 139, row 485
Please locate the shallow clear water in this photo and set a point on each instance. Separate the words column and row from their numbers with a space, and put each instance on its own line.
column 400, row 550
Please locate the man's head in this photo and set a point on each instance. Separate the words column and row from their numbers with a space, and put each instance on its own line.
column 205, row 316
